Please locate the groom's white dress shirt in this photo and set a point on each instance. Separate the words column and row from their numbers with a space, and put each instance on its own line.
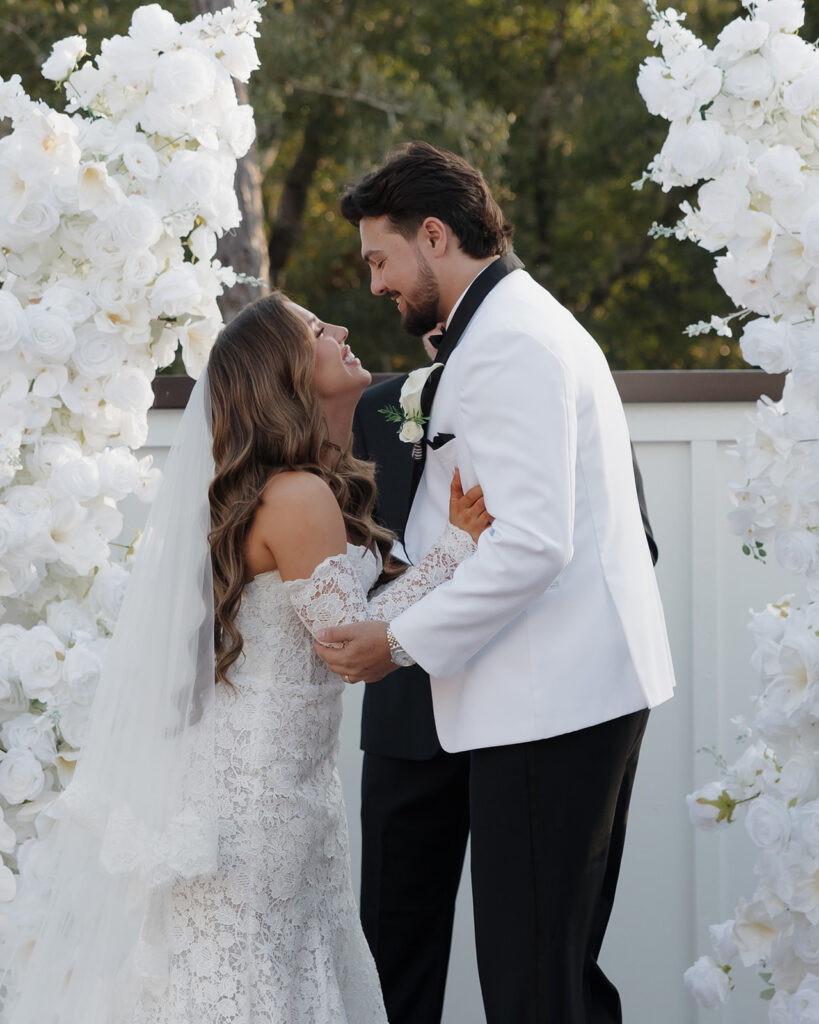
column 555, row 623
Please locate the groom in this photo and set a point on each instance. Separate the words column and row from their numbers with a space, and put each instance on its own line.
column 548, row 646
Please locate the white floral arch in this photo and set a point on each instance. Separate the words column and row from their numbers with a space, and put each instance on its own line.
column 109, row 217
column 744, row 121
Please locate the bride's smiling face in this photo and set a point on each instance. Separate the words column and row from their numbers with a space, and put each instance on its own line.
column 339, row 372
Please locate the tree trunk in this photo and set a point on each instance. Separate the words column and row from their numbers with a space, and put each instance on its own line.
column 290, row 211
column 244, row 248
column 545, row 187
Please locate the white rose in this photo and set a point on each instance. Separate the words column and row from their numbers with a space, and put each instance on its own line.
column 108, row 590
column 71, row 621
column 766, row 343
column 238, row 55
column 723, row 942
column 780, row 171
column 695, row 149
column 789, row 56
column 155, row 27
column 107, row 518
column 36, row 222
column 240, row 130
column 708, row 983
column 754, row 241
column 82, row 671
column 797, row 550
column 141, row 161
column 74, row 723
column 119, row 472
column 804, row 1006
column 129, row 389
column 136, row 224
column 801, row 97
column 12, row 530
column 411, row 432
column 69, row 299
column 749, row 78
column 202, row 243
column 139, row 269
column 64, row 56
column 662, row 95
column 184, row 76
column 199, row 181
column 97, row 354
column 32, row 731
column 50, row 337
column 100, row 247
column 52, row 451
column 78, row 479
column 129, row 63
column 797, row 780
column 13, row 324
column 781, row 15
column 159, row 116
column 39, row 659
column 21, row 776
column 768, row 823
column 703, row 806
column 175, row 292
column 739, row 37
column 10, row 637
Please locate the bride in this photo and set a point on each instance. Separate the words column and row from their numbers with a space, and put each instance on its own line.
column 198, row 869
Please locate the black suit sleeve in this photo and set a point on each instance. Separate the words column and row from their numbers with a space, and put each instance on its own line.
column 638, row 480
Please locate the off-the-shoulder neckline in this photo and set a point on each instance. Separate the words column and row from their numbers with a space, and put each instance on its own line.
column 275, row 572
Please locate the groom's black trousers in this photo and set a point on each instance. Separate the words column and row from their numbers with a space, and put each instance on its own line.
column 548, row 821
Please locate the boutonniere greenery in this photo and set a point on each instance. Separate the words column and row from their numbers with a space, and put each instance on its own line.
column 408, row 412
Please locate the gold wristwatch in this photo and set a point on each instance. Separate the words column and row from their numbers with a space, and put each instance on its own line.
column 397, row 653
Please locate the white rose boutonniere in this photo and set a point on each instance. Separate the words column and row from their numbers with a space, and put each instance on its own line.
column 409, row 415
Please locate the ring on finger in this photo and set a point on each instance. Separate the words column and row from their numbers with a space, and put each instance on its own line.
column 346, row 678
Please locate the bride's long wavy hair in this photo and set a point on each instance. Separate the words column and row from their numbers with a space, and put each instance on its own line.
column 266, row 417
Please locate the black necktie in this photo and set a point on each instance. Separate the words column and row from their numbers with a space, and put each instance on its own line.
column 450, row 336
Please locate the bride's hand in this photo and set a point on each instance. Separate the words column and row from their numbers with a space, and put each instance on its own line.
column 468, row 511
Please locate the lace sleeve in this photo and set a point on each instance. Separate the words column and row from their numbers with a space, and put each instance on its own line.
column 334, row 595
column 437, row 566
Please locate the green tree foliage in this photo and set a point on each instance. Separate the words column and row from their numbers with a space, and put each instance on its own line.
column 540, row 94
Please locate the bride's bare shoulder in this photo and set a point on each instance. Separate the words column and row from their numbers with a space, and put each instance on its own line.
column 299, row 521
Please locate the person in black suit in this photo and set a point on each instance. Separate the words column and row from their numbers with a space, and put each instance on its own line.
column 414, row 795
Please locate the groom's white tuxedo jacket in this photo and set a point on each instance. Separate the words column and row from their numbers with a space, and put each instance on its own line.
column 555, row 623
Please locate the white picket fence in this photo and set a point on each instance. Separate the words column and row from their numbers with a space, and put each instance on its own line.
column 674, row 882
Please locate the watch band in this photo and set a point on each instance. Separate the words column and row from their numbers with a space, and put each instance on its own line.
column 397, row 653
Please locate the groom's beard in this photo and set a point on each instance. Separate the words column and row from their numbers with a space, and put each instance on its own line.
column 421, row 314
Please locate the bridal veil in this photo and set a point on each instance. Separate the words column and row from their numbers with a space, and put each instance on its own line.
column 141, row 809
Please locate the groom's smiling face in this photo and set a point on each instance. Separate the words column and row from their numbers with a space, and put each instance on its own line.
column 400, row 270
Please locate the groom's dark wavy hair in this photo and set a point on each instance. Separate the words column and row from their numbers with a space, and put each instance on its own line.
column 419, row 181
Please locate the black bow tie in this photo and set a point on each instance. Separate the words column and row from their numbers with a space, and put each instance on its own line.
column 437, row 337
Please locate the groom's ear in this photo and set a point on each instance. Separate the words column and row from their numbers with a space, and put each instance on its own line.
column 433, row 235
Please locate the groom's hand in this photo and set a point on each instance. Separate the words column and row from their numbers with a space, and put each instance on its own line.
column 364, row 656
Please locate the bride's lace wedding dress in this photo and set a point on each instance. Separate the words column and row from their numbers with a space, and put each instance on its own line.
column 274, row 936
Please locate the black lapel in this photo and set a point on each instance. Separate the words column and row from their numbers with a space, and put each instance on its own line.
column 475, row 294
